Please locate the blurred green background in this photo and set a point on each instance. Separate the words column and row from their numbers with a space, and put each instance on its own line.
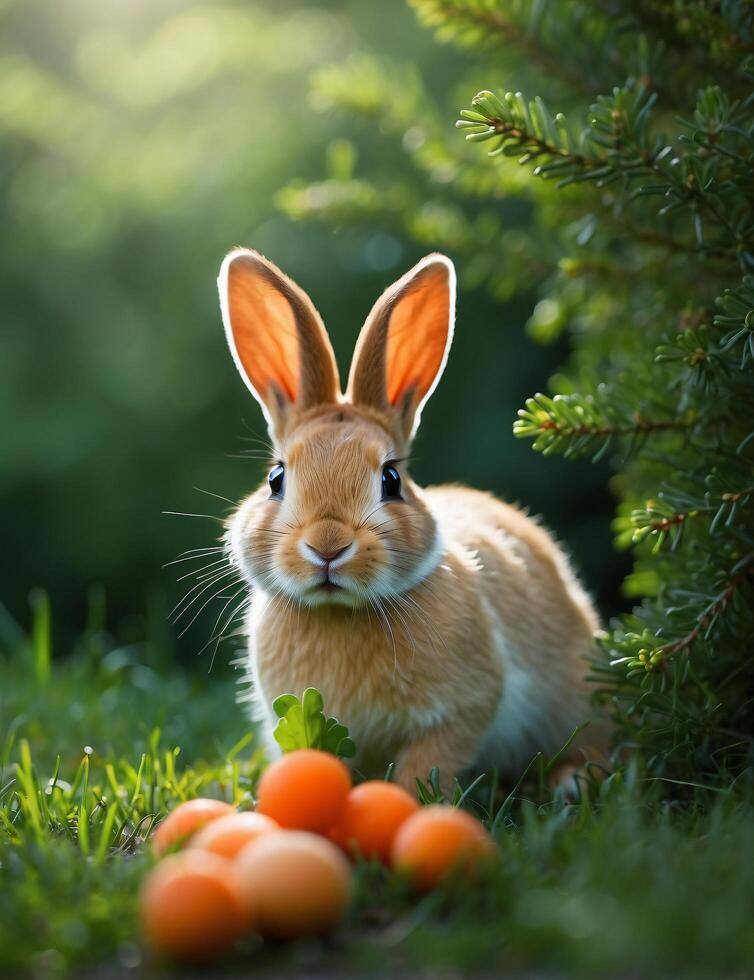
column 139, row 141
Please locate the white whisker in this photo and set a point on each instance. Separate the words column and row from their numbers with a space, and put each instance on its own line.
column 219, row 496
column 179, row 513
column 194, row 554
column 204, row 571
column 206, row 602
column 174, row 613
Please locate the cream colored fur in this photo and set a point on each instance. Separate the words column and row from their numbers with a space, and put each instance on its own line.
column 453, row 633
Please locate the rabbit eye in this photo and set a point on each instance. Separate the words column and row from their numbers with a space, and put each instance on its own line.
column 391, row 483
column 275, row 478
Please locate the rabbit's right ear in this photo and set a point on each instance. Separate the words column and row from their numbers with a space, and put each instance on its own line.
column 276, row 337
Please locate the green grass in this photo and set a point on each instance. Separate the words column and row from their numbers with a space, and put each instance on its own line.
column 95, row 747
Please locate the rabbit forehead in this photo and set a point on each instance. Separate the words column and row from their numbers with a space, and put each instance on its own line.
column 341, row 436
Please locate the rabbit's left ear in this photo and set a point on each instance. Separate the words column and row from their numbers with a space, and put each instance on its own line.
column 403, row 346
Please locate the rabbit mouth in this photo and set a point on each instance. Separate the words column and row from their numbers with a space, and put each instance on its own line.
column 327, row 591
column 328, row 585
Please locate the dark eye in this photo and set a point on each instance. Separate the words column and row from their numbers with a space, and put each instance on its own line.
column 391, row 483
column 277, row 473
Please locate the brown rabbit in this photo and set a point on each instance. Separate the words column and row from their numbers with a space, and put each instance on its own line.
column 445, row 628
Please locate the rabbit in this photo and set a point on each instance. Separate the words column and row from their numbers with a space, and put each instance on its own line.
column 443, row 627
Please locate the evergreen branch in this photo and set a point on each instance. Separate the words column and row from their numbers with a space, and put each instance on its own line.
column 680, row 28
column 528, row 129
column 650, row 520
column 617, row 145
column 659, row 517
column 651, row 236
column 742, row 572
column 738, row 317
column 641, row 655
column 573, row 424
column 709, row 363
column 725, row 27
column 471, row 23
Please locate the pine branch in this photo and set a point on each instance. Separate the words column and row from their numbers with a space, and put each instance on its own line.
column 573, row 424
column 652, row 236
column 618, row 146
column 531, row 131
column 738, row 317
column 642, row 656
column 742, row 572
column 724, row 27
column 662, row 518
column 473, row 23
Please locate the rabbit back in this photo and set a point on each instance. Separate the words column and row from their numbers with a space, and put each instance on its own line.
column 540, row 624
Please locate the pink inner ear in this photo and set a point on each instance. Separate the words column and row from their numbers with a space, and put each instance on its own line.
column 418, row 335
column 264, row 329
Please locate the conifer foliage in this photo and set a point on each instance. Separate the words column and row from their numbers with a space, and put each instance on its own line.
column 639, row 173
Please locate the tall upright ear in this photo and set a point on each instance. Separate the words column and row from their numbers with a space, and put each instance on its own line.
column 403, row 346
column 276, row 338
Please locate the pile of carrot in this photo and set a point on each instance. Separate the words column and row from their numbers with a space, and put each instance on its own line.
column 283, row 869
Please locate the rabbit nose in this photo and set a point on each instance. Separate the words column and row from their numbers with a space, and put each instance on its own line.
column 327, row 555
column 326, row 540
